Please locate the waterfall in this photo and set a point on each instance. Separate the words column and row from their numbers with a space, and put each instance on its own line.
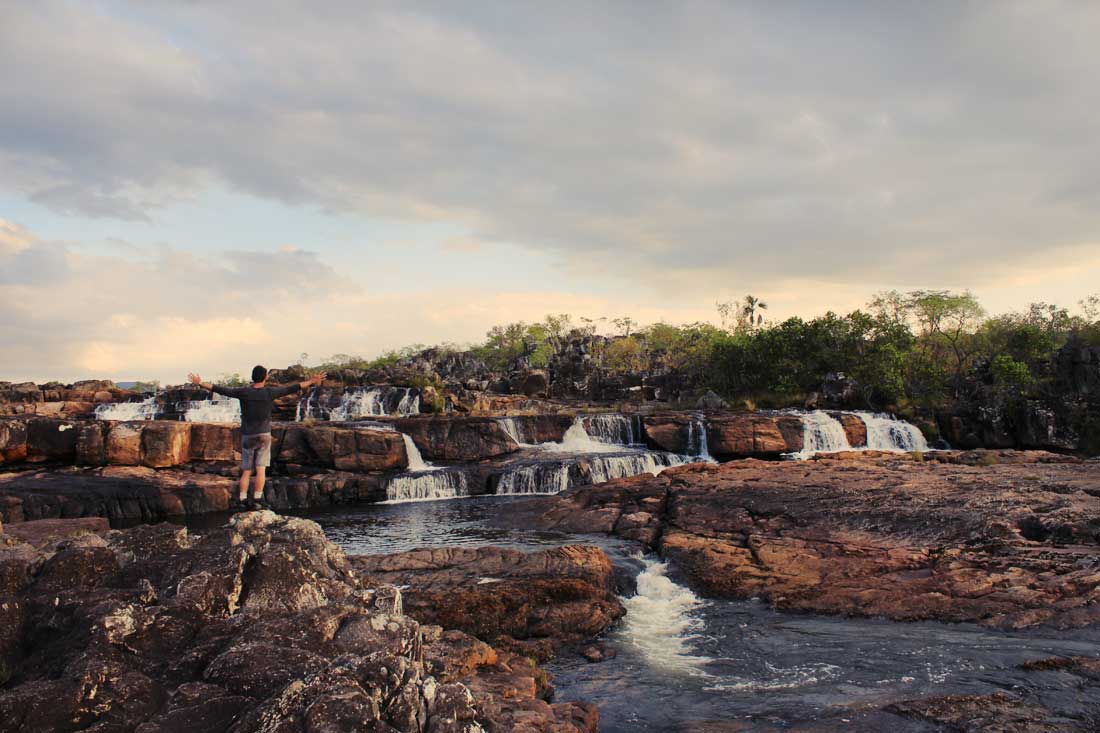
column 606, row 468
column 822, row 433
column 537, row 479
column 223, row 410
column 886, row 432
column 697, row 439
column 409, row 404
column 513, row 430
column 552, row 477
column 144, row 410
column 416, row 461
column 362, row 402
column 577, row 440
column 613, row 428
column 661, row 621
column 427, row 485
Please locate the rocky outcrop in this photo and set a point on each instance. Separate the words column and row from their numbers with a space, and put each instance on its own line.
column 528, row 602
column 126, row 495
column 261, row 625
column 854, row 428
column 1009, row 545
column 765, row 436
column 457, row 438
column 168, row 443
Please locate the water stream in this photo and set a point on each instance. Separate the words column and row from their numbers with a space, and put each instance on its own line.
column 683, row 659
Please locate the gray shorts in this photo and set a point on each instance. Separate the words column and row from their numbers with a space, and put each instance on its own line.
column 255, row 451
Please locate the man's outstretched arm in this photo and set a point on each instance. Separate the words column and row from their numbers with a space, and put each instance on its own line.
column 196, row 380
column 303, row 386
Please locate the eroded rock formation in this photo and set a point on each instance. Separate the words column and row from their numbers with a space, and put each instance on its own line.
column 262, row 625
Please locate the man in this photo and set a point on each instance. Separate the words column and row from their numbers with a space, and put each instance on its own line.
column 256, row 402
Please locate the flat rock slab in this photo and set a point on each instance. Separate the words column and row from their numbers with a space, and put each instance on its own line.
column 40, row 533
column 1011, row 542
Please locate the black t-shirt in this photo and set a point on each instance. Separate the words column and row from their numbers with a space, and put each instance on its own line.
column 256, row 405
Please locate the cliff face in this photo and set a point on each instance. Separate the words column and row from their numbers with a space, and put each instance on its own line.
column 262, row 625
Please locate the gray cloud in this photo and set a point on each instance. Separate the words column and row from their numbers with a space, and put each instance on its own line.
column 840, row 140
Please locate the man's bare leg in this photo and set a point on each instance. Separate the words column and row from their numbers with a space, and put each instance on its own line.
column 242, row 488
column 261, row 475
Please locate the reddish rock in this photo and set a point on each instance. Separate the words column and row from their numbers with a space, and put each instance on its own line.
column 123, row 445
column 1010, row 545
column 51, row 440
column 732, row 436
column 854, row 428
column 667, row 432
column 42, row 532
column 463, row 438
column 345, row 448
column 259, row 625
column 542, row 599
column 165, row 443
column 91, row 444
column 13, row 441
column 211, row 442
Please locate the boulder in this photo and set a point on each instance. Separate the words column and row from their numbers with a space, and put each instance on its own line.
column 854, row 428
column 711, row 401
column 51, row 440
column 13, row 441
column 667, row 432
column 123, row 446
column 91, row 444
column 739, row 436
column 458, row 438
column 165, row 443
column 212, row 442
column 369, row 450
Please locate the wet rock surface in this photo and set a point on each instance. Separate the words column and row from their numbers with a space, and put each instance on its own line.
column 532, row 603
column 1005, row 544
column 261, row 625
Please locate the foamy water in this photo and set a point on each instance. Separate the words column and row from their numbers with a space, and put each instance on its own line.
column 661, row 621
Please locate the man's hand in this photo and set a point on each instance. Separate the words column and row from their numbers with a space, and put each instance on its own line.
column 318, row 378
column 197, row 380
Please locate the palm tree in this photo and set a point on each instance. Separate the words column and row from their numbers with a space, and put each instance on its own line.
column 749, row 309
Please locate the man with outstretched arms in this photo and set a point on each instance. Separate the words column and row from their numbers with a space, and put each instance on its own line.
column 256, row 403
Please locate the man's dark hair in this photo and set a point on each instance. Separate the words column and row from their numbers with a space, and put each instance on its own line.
column 259, row 373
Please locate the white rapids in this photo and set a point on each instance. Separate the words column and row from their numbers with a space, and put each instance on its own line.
column 823, row 433
column 661, row 621
column 217, row 410
column 144, row 410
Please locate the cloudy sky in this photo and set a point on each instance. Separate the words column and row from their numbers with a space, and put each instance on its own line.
column 205, row 185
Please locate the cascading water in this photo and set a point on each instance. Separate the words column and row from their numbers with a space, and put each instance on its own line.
column 886, row 432
column 822, row 433
column 553, row 477
column 612, row 428
column 577, row 440
column 514, row 430
column 416, row 461
column 223, row 410
column 606, row 468
column 359, row 403
column 697, row 438
column 427, row 485
column 547, row 478
column 661, row 621
column 144, row 410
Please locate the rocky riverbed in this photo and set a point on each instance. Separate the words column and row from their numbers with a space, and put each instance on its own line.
column 261, row 625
